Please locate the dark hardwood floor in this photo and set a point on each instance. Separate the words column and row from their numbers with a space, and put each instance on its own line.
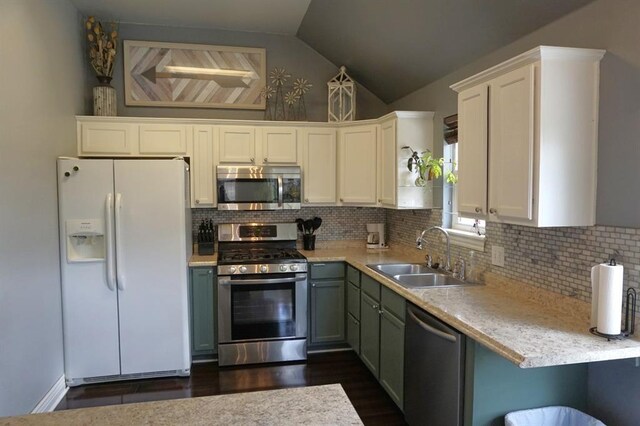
column 370, row 401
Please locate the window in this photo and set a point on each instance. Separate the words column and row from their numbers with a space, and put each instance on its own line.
column 464, row 231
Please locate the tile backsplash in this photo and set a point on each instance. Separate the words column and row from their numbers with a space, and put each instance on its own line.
column 556, row 259
column 338, row 223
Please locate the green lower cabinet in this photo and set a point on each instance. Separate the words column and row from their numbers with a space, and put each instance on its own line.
column 203, row 299
column 370, row 333
column 353, row 333
column 392, row 356
column 327, row 311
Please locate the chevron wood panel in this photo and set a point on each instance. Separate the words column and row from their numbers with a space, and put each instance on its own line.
column 193, row 75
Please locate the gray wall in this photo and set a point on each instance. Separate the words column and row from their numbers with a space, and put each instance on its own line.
column 41, row 88
column 282, row 51
column 614, row 392
column 604, row 24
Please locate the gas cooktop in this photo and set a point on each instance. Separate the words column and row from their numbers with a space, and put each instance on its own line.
column 260, row 255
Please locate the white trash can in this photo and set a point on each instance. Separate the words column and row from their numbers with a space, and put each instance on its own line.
column 550, row 416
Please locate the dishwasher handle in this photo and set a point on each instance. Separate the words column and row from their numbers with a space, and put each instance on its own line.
column 429, row 329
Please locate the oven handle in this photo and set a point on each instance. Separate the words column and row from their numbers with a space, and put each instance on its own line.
column 280, row 192
column 229, row 281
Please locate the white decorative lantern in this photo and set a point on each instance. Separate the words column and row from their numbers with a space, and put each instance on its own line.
column 342, row 97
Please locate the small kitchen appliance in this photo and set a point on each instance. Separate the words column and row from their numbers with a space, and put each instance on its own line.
column 262, row 294
column 375, row 236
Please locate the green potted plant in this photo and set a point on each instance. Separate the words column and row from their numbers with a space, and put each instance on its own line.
column 428, row 167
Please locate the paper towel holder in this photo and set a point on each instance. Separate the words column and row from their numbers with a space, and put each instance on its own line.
column 629, row 317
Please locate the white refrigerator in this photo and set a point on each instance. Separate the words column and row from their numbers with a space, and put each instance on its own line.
column 125, row 240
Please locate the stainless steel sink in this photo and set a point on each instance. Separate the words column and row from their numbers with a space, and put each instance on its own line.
column 391, row 269
column 417, row 276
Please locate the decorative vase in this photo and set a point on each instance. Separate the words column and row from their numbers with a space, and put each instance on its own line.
column 420, row 181
column 309, row 242
column 104, row 98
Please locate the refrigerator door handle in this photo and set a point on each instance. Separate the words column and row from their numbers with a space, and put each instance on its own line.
column 119, row 261
column 111, row 279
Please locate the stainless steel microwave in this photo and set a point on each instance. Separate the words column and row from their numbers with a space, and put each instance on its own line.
column 258, row 188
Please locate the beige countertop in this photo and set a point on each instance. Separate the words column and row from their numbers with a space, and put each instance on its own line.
column 314, row 405
column 207, row 260
column 529, row 326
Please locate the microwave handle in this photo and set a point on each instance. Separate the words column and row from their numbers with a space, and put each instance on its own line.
column 280, row 192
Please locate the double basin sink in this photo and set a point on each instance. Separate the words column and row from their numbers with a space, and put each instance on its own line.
column 417, row 276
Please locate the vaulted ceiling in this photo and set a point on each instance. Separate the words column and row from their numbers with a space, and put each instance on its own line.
column 392, row 47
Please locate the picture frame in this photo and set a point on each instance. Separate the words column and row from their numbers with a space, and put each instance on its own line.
column 159, row 74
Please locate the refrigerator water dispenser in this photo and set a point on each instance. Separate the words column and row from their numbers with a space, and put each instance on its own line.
column 85, row 240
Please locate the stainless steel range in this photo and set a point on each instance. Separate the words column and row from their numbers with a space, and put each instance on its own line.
column 262, row 294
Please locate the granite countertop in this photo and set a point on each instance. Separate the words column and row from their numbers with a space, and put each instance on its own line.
column 203, row 260
column 317, row 405
column 530, row 327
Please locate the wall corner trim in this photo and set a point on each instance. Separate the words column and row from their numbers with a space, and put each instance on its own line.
column 52, row 398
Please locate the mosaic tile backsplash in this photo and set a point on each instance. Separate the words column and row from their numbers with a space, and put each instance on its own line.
column 338, row 223
column 556, row 259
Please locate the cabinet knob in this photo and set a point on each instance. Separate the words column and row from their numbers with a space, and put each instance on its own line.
column 341, row 200
column 253, row 160
column 478, row 210
column 379, row 200
column 306, row 200
column 266, row 160
column 313, row 285
column 67, row 174
column 76, row 168
column 493, row 211
column 197, row 201
column 375, row 307
column 210, row 272
column 380, row 312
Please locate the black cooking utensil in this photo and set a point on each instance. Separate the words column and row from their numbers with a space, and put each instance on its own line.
column 308, row 226
column 300, row 223
column 317, row 222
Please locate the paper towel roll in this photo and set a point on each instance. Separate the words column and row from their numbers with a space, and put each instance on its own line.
column 595, row 274
column 610, row 279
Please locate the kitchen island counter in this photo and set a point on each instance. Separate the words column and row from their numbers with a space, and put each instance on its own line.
column 529, row 326
column 327, row 404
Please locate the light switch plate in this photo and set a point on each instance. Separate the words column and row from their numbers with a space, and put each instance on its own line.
column 497, row 256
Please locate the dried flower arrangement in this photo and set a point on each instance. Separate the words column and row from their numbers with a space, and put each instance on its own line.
column 279, row 77
column 102, row 48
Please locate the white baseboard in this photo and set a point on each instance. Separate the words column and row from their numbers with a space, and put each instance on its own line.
column 50, row 401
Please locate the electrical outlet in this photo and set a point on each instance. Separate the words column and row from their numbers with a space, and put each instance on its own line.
column 497, row 256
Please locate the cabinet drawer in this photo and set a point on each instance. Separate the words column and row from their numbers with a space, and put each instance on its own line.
column 353, row 300
column 370, row 287
column 393, row 302
column 353, row 333
column 321, row 271
column 353, row 276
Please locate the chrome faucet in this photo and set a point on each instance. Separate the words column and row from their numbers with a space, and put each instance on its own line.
column 420, row 240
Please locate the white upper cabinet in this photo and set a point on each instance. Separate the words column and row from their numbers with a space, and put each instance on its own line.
column 471, row 188
column 279, row 145
column 237, row 144
column 163, row 139
column 396, row 184
column 106, row 138
column 319, row 148
column 202, row 165
column 358, row 165
column 528, row 156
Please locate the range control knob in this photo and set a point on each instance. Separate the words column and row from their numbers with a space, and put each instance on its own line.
column 232, row 269
column 293, row 267
column 264, row 268
column 243, row 269
column 283, row 268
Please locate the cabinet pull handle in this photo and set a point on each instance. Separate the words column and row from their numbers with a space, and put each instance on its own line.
column 478, row 210
column 317, row 265
column 493, row 211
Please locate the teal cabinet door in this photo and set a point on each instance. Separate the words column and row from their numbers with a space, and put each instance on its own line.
column 353, row 333
column 370, row 333
column 203, row 311
column 353, row 300
column 392, row 356
column 327, row 311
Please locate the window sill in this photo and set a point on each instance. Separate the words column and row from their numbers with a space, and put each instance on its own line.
column 469, row 240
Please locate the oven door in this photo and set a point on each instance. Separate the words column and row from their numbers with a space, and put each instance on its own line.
column 258, row 308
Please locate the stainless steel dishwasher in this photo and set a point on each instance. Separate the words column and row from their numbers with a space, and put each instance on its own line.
column 433, row 371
